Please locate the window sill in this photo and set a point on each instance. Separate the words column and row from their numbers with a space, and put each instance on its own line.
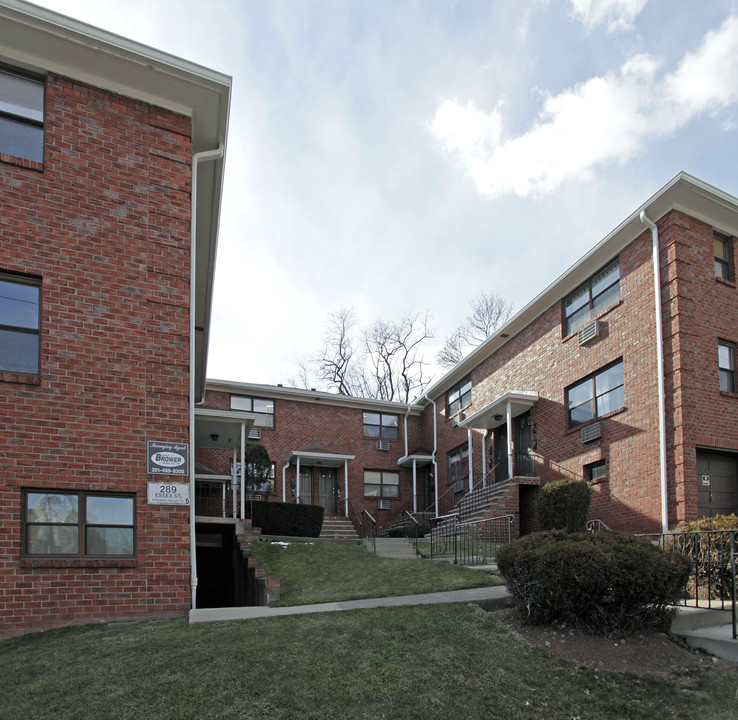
column 19, row 378
column 724, row 393
column 728, row 283
column 568, row 337
column 21, row 162
column 50, row 562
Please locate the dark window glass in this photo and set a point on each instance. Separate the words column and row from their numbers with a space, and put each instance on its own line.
column 21, row 116
column 597, row 395
column 381, row 483
column 381, row 425
column 459, row 397
column 263, row 408
column 592, row 298
column 726, row 365
column 458, row 463
column 723, row 246
column 19, row 325
column 595, row 471
column 55, row 522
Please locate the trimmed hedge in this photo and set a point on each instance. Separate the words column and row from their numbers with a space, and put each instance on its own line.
column 291, row 519
column 605, row 582
column 564, row 505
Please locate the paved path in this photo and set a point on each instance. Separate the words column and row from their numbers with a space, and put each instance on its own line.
column 485, row 596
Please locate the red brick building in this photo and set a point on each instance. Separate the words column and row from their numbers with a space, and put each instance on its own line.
column 573, row 386
column 103, row 333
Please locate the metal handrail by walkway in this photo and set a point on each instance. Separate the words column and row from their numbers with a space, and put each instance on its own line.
column 469, row 543
column 371, row 529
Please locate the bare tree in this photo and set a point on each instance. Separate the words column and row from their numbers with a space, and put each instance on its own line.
column 385, row 363
column 489, row 312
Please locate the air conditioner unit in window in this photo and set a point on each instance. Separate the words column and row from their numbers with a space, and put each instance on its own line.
column 383, row 504
column 382, row 444
column 589, row 333
column 255, row 434
column 590, row 432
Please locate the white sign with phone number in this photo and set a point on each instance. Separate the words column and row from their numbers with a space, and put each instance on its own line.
column 169, row 493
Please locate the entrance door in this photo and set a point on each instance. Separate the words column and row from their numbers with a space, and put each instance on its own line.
column 327, row 490
column 717, row 484
column 501, row 453
column 306, row 486
column 426, row 496
column 523, row 463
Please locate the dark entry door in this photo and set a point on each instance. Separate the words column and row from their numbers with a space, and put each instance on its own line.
column 523, row 463
column 327, row 490
column 717, row 484
column 500, row 471
column 306, row 486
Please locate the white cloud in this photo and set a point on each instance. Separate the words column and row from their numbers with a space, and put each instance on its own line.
column 620, row 14
column 606, row 119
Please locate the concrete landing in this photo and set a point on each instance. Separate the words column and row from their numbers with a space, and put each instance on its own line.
column 706, row 629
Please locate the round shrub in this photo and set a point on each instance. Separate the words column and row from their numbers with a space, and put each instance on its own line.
column 605, row 582
column 564, row 505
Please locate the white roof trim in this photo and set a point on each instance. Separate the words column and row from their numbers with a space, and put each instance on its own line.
column 520, row 401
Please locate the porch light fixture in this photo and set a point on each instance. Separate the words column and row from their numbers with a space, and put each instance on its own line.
column 214, row 437
column 497, row 418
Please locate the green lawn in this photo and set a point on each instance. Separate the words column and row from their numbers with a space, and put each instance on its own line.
column 429, row 663
column 330, row 572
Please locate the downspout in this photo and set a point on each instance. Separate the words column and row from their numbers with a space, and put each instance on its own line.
column 660, row 365
column 433, row 455
column 470, row 457
column 284, row 481
column 197, row 158
column 406, row 414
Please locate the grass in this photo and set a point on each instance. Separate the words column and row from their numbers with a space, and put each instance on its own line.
column 330, row 572
column 429, row 662
column 405, row 663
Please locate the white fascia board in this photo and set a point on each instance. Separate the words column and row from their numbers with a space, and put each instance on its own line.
column 683, row 192
column 311, row 396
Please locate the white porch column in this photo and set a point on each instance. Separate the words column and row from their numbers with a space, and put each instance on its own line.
column 469, row 444
column 297, row 482
column 510, row 469
column 345, row 487
column 243, row 471
column 415, row 485
column 233, row 483
column 484, row 459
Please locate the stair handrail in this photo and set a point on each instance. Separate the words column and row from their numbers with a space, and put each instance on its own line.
column 371, row 530
column 355, row 519
column 414, row 537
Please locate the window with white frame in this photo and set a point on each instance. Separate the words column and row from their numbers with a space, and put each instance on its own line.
column 723, row 247
column 381, row 425
column 78, row 524
column 726, row 366
column 263, row 408
column 459, row 396
column 597, row 395
column 458, row 463
column 381, row 483
column 21, row 116
column 20, row 321
column 592, row 297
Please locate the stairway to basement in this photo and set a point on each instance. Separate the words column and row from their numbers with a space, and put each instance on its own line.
column 339, row 529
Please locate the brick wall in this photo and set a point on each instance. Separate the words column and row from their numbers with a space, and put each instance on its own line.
column 300, row 424
column 104, row 224
column 698, row 309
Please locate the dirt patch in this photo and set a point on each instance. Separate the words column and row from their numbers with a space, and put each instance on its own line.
column 646, row 653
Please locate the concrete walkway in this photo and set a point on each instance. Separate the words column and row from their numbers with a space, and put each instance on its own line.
column 487, row 597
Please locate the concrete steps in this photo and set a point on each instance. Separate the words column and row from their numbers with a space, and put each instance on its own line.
column 339, row 529
column 398, row 548
column 706, row 629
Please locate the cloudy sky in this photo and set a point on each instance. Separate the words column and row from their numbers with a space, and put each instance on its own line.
column 391, row 155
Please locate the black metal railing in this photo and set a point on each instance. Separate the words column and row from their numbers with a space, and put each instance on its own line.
column 712, row 555
column 370, row 529
column 469, row 543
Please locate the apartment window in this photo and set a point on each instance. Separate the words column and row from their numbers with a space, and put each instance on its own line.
column 723, row 256
column 595, row 472
column 19, row 324
column 597, row 395
column 459, row 396
column 726, row 363
column 592, row 298
column 381, row 483
column 381, row 425
column 261, row 407
column 21, row 116
column 458, row 463
column 78, row 524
